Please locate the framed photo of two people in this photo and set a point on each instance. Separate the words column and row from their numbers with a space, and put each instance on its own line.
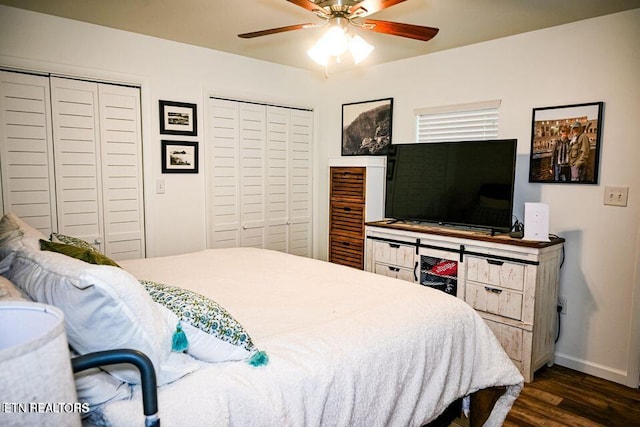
column 565, row 144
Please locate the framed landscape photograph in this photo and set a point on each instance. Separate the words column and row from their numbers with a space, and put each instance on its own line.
column 178, row 118
column 179, row 157
column 565, row 144
column 366, row 127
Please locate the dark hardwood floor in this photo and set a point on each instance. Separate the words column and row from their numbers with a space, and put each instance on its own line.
column 560, row 396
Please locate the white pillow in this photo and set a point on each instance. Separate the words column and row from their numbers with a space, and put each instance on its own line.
column 105, row 308
column 213, row 334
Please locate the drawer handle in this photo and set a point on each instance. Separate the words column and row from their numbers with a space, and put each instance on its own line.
column 394, row 245
column 396, row 269
column 347, row 209
column 346, row 244
column 494, row 290
column 495, row 262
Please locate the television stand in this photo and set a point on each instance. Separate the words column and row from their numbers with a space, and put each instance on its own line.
column 511, row 283
column 444, row 226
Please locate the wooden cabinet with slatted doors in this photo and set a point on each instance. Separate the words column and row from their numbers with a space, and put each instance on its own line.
column 346, row 216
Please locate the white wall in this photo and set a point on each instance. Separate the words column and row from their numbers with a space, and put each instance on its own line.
column 593, row 60
column 175, row 221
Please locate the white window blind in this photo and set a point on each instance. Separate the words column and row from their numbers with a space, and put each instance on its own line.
column 461, row 122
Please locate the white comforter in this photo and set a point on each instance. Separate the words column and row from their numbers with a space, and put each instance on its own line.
column 346, row 347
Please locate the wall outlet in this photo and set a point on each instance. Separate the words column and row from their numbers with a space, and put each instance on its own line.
column 562, row 302
column 616, row 196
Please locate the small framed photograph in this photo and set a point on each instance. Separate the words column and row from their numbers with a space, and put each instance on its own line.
column 366, row 127
column 178, row 118
column 179, row 156
column 565, row 144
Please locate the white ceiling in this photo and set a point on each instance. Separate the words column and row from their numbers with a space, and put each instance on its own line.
column 215, row 23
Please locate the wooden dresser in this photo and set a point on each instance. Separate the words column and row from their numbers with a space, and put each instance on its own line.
column 511, row 283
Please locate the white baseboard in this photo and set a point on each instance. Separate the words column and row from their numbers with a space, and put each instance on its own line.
column 600, row 371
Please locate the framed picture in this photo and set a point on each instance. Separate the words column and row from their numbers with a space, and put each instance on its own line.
column 178, row 118
column 565, row 144
column 366, row 127
column 179, row 157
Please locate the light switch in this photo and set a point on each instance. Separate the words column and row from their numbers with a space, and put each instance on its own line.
column 616, row 196
column 159, row 186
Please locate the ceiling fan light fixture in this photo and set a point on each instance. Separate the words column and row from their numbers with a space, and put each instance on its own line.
column 337, row 41
column 318, row 55
column 338, row 16
column 359, row 48
column 334, row 42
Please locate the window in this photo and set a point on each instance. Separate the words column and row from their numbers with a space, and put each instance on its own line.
column 461, row 122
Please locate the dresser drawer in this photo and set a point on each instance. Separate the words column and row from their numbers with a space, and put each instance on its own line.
column 347, row 218
column 348, row 183
column 395, row 272
column 395, row 254
column 510, row 338
column 346, row 251
column 496, row 273
column 490, row 299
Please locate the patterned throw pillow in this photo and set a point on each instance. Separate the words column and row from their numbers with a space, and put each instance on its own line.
column 213, row 335
column 73, row 241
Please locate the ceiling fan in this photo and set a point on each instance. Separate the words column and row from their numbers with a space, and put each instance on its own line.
column 341, row 14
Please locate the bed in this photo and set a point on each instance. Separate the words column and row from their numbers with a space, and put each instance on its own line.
column 345, row 347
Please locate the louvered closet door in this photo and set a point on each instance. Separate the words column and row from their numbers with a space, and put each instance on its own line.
column 98, row 165
column 26, row 158
column 224, row 175
column 252, row 174
column 259, row 181
column 121, row 171
column 77, row 159
column 277, row 230
column 300, row 183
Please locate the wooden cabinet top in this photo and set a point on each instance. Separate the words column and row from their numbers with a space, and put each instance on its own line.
column 481, row 235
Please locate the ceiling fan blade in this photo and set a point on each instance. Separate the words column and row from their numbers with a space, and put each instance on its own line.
column 372, row 6
column 306, row 4
column 274, row 31
column 411, row 31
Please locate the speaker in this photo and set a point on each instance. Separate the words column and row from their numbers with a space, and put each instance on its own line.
column 536, row 222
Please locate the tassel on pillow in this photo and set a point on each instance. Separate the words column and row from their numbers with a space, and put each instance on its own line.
column 259, row 359
column 179, row 341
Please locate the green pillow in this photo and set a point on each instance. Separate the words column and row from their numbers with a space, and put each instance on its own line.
column 83, row 254
column 73, row 241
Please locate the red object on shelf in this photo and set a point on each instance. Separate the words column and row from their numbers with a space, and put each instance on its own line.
column 445, row 268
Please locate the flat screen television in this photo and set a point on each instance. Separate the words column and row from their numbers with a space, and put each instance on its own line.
column 465, row 183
